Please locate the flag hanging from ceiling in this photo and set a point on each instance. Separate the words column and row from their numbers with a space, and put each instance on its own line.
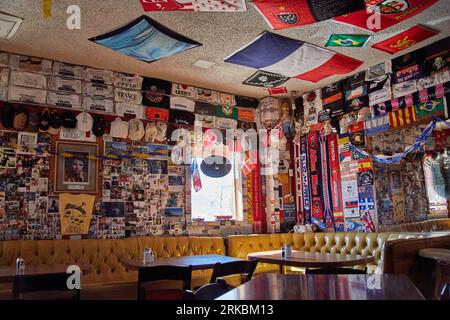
column 194, row 5
column 347, row 40
column 402, row 117
column 146, row 40
column 281, row 14
column 265, row 79
column 391, row 12
column 405, row 39
column 292, row 58
column 196, row 179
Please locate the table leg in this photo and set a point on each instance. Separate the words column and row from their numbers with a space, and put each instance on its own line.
column 281, row 269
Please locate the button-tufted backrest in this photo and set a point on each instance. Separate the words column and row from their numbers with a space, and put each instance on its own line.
column 104, row 256
column 325, row 242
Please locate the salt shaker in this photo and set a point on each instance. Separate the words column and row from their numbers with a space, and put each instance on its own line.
column 20, row 266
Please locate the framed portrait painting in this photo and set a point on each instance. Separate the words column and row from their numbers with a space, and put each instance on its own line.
column 79, row 172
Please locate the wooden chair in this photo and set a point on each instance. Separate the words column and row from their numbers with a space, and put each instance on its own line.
column 246, row 268
column 57, row 282
column 157, row 273
column 209, row 291
column 334, row 271
column 445, row 292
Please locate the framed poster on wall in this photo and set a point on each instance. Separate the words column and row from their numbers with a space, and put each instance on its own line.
column 78, row 170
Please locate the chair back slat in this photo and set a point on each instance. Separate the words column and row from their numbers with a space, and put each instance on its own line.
column 157, row 273
column 246, row 268
column 209, row 291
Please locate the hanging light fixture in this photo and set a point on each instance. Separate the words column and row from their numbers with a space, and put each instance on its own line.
column 215, row 166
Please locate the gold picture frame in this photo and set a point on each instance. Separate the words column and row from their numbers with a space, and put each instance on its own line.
column 77, row 174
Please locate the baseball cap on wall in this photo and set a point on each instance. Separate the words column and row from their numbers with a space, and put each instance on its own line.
column 33, row 121
column 84, row 122
column 119, row 129
column 69, row 120
column 98, row 126
column 7, row 117
column 136, row 129
column 20, row 120
column 55, row 123
column 44, row 122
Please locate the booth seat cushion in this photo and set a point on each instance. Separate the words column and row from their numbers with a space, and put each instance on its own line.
column 327, row 242
column 104, row 256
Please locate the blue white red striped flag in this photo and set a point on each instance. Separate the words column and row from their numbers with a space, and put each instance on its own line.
column 196, row 179
column 292, row 58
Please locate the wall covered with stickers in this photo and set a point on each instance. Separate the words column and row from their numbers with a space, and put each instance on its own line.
column 68, row 129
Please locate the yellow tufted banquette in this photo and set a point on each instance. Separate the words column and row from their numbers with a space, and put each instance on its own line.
column 104, row 256
column 343, row 242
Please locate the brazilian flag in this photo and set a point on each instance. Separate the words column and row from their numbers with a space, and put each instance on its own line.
column 347, row 40
column 430, row 108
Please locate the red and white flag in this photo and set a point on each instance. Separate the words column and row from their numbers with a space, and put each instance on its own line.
column 382, row 14
column 281, row 14
column 405, row 40
column 194, row 5
column 278, row 90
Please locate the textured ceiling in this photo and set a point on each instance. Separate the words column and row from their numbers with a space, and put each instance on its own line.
column 220, row 34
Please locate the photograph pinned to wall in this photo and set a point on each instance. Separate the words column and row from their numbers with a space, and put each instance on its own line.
column 173, row 212
column 53, row 204
column 79, row 172
column 157, row 166
column 8, row 138
column 175, row 199
column 113, row 209
column 115, row 148
column 155, row 151
column 146, row 40
column 8, row 158
column 27, row 142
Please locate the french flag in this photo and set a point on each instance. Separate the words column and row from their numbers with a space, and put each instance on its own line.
column 292, row 58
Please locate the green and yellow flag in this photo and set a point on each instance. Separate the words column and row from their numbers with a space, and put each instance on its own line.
column 347, row 40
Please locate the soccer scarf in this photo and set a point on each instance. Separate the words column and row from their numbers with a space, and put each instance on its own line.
column 335, row 183
column 257, row 211
column 326, row 186
column 304, row 166
column 402, row 117
column 298, row 184
column 316, row 178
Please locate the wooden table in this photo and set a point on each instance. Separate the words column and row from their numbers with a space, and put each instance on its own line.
column 310, row 259
column 441, row 272
column 273, row 286
column 198, row 262
column 8, row 273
